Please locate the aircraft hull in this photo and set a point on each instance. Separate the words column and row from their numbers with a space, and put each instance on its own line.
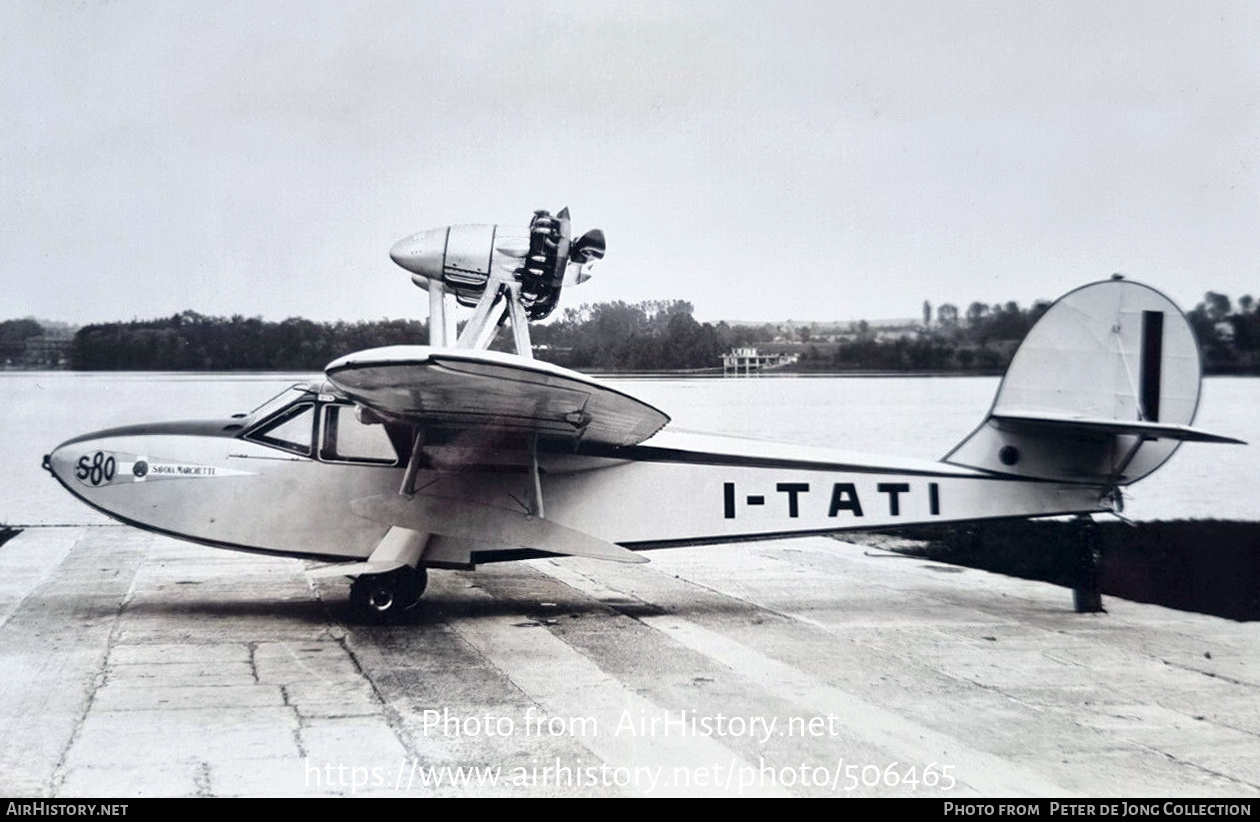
column 226, row 492
column 233, row 493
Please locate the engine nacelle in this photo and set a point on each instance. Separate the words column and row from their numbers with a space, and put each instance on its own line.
column 540, row 257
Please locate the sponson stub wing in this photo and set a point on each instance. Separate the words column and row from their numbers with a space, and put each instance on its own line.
column 465, row 390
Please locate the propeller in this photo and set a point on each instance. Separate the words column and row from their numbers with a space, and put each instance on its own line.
column 546, row 269
column 588, row 248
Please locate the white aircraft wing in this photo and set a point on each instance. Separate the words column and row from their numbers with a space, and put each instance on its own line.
column 468, row 389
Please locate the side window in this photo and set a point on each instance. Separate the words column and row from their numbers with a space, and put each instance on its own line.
column 346, row 439
column 291, row 431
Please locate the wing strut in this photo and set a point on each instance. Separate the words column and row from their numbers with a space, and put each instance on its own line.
column 421, row 515
column 485, row 319
column 414, row 463
column 500, row 300
column 520, row 324
column 536, row 506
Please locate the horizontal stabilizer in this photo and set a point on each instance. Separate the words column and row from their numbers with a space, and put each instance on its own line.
column 355, row 569
column 1014, row 421
column 487, row 523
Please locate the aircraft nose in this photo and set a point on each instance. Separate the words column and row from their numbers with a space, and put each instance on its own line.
column 86, row 462
column 61, row 462
column 55, row 462
column 421, row 253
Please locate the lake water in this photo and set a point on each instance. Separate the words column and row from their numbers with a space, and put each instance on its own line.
column 898, row 416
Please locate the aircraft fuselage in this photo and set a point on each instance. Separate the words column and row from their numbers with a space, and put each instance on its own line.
column 247, row 485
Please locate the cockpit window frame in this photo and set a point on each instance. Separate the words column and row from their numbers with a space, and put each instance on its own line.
column 304, row 398
column 278, row 402
column 329, row 455
column 258, row 433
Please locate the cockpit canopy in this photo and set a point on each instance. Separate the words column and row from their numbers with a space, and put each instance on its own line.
column 312, row 421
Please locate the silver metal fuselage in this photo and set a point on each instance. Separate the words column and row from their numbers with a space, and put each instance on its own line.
column 209, row 482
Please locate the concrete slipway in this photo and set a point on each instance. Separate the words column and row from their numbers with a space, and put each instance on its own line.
column 134, row 665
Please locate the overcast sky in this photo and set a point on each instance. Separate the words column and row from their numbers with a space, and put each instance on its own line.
column 775, row 160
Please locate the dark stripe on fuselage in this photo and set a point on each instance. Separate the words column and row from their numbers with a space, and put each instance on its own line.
column 229, row 428
column 1152, row 362
column 651, row 453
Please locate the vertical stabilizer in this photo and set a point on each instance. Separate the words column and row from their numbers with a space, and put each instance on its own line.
column 1102, row 390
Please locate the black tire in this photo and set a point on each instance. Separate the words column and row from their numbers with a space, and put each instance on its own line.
column 419, row 582
column 380, row 598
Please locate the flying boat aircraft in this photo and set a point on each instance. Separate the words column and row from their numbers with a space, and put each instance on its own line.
column 450, row 455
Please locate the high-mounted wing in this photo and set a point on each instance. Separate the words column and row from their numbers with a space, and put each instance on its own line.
column 466, row 389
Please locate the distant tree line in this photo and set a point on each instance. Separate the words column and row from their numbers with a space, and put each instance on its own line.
column 620, row 336
column 646, row 336
column 18, row 331
column 653, row 335
column 1229, row 338
column 982, row 339
column 25, row 343
column 193, row 342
